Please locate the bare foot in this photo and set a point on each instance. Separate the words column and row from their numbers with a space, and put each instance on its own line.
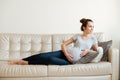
column 19, row 62
column 11, row 62
column 22, row 62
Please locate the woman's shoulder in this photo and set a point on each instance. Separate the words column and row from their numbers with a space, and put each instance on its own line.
column 75, row 36
column 93, row 37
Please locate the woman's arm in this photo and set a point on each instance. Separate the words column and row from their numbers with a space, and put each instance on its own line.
column 63, row 46
column 85, row 51
column 95, row 47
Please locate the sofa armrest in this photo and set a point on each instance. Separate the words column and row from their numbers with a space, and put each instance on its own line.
column 113, row 57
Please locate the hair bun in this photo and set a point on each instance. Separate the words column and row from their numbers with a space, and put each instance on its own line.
column 82, row 20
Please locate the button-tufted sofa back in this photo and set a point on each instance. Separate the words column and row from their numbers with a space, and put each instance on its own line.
column 17, row 46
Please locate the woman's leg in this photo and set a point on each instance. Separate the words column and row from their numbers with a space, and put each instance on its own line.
column 55, row 57
column 44, row 55
column 41, row 58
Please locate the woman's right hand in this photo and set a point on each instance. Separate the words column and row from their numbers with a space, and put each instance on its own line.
column 69, row 57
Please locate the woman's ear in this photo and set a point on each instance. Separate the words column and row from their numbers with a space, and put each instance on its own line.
column 83, row 28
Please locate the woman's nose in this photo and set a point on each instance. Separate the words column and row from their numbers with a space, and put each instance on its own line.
column 92, row 28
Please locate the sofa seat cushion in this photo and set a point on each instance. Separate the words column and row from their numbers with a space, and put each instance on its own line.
column 7, row 70
column 101, row 68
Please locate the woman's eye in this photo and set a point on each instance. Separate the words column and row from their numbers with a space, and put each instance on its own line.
column 91, row 26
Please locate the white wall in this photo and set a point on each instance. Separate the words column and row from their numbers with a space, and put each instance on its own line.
column 59, row 16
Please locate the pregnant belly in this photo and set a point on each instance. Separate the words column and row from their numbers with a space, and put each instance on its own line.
column 75, row 52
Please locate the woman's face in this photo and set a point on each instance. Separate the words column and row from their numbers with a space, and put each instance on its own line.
column 89, row 28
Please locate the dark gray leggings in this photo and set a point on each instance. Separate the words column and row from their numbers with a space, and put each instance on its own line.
column 55, row 57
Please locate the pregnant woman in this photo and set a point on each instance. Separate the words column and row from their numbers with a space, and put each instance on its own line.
column 82, row 45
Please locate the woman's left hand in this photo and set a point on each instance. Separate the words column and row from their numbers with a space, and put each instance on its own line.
column 84, row 52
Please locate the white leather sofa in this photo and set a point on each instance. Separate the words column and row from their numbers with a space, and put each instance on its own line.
column 17, row 46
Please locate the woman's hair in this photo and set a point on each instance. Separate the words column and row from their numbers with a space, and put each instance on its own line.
column 84, row 23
